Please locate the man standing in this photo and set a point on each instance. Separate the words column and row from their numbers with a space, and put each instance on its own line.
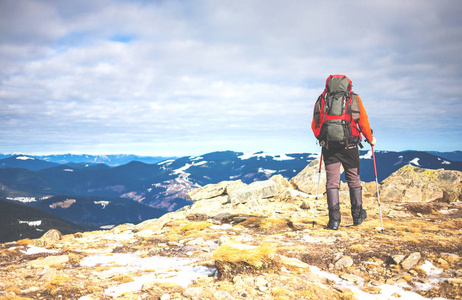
column 339, row 119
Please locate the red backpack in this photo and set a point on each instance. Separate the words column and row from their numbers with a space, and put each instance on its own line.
column 336, row 113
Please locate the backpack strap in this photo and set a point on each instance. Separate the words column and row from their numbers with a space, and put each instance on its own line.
column 355, row 113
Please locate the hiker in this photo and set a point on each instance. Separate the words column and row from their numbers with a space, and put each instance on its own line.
column 339, row 119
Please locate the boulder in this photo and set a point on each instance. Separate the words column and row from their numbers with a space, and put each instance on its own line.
column 414, row 184
column 282, row 183
column 344, row 262
column 209, row 207
column 411, row 260
column 208, row 191
column 307, row 180
column 254, row 191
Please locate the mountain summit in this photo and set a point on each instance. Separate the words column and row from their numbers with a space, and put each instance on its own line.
column 257, row 241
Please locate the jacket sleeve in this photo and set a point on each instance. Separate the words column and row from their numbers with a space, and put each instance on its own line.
column 364, row 121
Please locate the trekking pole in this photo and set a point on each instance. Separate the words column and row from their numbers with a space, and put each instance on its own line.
column 377, row 185
column 317, row 189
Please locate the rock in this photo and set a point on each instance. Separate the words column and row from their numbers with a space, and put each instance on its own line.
column 193, row 292
column 234, row 185
column 413, row 184
column 344, row 262
column 52, row 235
column 49, row 238
column 352, row 278
column 397, row 259
column 293, row 262
column 49, row 275
column 208, row 191
column 154, row 225
column 49, row 261
column 209, row 207
column 411, row 261
column 261, row 284
column 222, row 295
column 307, row 180
column 282, row 183
column 254, row 191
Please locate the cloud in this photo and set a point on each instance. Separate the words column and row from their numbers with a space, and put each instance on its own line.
column 143, row 74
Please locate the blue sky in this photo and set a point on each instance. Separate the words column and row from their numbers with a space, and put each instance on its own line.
column 192, row 77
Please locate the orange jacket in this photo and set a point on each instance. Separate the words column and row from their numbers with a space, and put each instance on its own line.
column 363, row 122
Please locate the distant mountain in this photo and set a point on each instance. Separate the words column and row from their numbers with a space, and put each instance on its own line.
column 18, row 221
column 164, row 185
column 112, row 160
column 454, row 156
column 97, row 211
column 26, row 162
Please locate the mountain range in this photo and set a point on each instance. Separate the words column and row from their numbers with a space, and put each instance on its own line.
column 94, row 194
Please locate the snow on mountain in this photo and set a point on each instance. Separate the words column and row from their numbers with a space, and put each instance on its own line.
column 164, row 184
column 22, row 157
column 415, row 161
column 368, row 155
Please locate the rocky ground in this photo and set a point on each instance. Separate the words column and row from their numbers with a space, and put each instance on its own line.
column 258, row 241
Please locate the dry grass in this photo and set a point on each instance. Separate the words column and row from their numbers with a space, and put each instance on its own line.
column 238, row 253
column 232, row 259
column 358, row 248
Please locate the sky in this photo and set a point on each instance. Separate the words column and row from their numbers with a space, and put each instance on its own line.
column 182, row 77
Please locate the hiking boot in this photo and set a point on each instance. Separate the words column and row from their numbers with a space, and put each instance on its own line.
column 333, row 224
column 357, row 211
column 361, row 218
column 334, row 209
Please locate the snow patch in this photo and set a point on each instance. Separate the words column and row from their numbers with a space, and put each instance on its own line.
column 167, row 269
column 102, row 203
column 282, row 157
column 314, row 155
column 31, row 250
column 167, row 162
column 22, row 199
column 415, row 161
column 387, row 291
column 31, row 223
column 368, row 155
column 23, row 157
column 266, row 171
column 68, row 170
column 247, row 155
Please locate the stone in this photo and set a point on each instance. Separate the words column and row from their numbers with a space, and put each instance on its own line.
column 414, row 184
column 261, row 284
column 344, row 262
column 49, row 275
column 154, row 225
column 307, row 180
column 397, row 259
column 255, row 191
column 193, row 292
column 352, row 278
column 282, row 183
column 411, row 261
column 49, row 261
column 293, row 262
column 234, row 185
column 52, row 235
column 208, row 191
column 222, row 295
column 209, row 207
